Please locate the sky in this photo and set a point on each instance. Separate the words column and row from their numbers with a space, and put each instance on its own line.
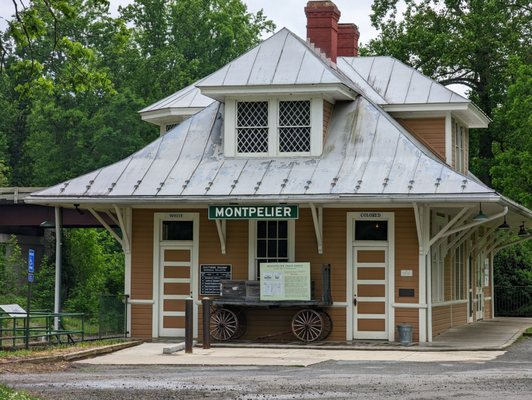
column 285, row 13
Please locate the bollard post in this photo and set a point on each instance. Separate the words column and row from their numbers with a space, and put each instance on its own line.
column 189, row 324
column 206, row 303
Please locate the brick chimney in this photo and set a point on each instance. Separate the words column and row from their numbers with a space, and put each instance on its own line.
column 322, row 26
column 348, row 35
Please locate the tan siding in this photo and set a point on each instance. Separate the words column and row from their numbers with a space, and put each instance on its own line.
column 408, row 316
column 459, row 314
column 141, row 316
column 441, row 319
column 327, row 112
column 267, row 322
column 430, row 131
column 406, row 254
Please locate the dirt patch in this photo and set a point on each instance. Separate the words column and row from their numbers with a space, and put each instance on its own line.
column 27, row 368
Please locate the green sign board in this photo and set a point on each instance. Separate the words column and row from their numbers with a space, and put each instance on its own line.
column 285, row 281
column 285, row 211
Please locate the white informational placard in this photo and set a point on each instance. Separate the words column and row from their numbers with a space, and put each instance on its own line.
column 285, row 281
column 486, row 272
column 13, row 310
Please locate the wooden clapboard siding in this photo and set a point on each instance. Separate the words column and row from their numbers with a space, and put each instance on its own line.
column 264, row 322
column 487, row 310
column 141, row 272
column 406, row 254
column 430, row 131
column 408, row 316
column 441, row 319
column 327, row 112
column 459, row 314
column 141, row 317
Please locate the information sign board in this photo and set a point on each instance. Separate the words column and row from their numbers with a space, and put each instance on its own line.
column 13, row 310
column 211, row 275
column 285, row 281
column 31, row 261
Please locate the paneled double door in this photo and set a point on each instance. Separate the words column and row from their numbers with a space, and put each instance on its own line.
column 370, row 276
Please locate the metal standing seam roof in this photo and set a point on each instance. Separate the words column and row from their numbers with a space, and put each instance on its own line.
column 395, row 82
column 188, row 97
column 282, row 59
column 365, row 153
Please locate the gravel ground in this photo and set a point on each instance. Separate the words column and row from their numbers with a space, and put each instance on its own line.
column 509, row 376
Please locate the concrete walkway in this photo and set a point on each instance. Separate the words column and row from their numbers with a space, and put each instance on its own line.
column 495, row 334
column 478, row 342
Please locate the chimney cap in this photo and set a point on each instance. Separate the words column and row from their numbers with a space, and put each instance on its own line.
column 317, row 6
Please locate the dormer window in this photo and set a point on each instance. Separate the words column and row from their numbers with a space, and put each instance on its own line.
column 275, row 127
column 294, row 126
column 252, row 126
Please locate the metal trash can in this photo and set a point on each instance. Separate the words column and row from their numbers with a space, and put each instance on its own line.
column 405, row 334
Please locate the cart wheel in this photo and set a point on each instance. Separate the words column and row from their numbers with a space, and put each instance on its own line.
column 227, row 324
column 327, row 325
column 308, row 325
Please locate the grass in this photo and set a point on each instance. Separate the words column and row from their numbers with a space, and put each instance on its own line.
column 55, row 349
column 11, row 394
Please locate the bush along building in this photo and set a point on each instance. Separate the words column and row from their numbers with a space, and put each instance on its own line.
column 296, row 155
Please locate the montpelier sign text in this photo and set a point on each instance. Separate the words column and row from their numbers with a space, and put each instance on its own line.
column 254, row 212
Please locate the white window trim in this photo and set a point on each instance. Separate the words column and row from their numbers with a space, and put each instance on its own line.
column 252, row 246
column 316, row 126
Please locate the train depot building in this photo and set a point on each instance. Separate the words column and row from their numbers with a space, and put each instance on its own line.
column 338, row 184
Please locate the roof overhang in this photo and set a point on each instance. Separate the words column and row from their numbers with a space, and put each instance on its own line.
column 335, row 91
column 166, row 115
column 467, row 112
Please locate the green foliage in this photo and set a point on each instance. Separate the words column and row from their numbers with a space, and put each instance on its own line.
column 44, row 286
column 466, row 42
column 93, row 265
column 513, row 266
column 7, row 393
column 512, row 170
column 13, row 278
column 182, row 41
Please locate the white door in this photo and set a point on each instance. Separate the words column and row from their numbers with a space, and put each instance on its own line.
column 369, row 292
column 175, row 285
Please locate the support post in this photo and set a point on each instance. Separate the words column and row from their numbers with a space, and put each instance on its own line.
column 206, row 303
column 189, row 324
column 58, row 266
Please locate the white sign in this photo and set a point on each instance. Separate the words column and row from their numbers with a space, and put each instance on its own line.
column 14, row 310
column 407, row 272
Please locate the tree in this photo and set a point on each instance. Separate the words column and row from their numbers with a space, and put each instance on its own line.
column 182, row 41
column 512, row 170
column 468, row 42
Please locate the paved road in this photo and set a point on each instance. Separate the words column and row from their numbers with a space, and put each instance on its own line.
column 507, row 377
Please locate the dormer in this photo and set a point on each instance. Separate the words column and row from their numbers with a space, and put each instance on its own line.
column 278, row 98
column 174, row 109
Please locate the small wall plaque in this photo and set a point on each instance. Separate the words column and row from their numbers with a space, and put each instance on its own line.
column 407, row 293
column 407, row 272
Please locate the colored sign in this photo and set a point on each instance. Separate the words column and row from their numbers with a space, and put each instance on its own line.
column 30, row 277
column 211, row 276
column 31, row 261
column 285, row 211
column 285, row 281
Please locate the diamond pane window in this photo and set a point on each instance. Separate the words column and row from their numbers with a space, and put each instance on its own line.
column 294, row 126
column 252, row 127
